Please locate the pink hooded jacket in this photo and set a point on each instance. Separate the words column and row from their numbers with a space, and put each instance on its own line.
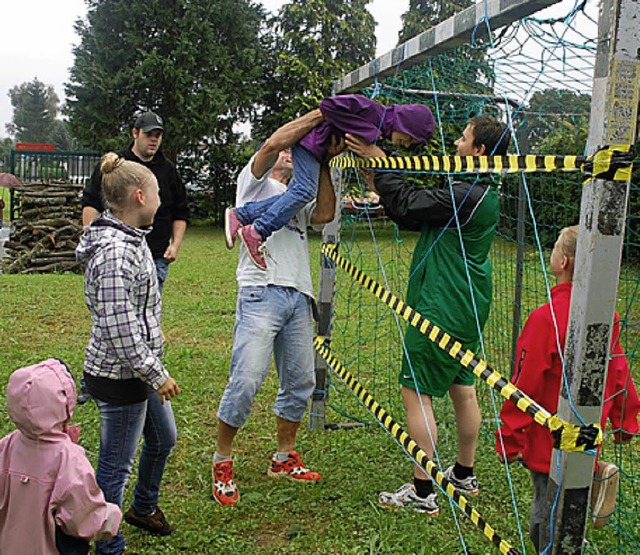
column 45, row 478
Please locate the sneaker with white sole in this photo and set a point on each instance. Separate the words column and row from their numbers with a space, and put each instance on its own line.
column 255, row 246
column 231, row 226
column 468, row 485
column 292, row 469
column 406, row 496
column 225, row 490
column 604, row 492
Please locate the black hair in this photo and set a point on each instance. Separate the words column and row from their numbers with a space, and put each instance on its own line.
column 493, row 134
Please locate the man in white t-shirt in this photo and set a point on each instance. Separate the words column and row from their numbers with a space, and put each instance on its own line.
column 274, row 314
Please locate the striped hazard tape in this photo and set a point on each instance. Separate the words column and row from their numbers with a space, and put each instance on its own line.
column 567, row 436
column 612, row 163
column 412, row 447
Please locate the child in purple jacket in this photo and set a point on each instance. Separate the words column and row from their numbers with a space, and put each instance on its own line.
column 403, row 124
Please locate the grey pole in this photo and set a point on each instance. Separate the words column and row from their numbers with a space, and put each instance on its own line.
column 326, row 290
column 614, row 114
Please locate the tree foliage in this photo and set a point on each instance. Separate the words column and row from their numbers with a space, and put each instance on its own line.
column 35, row 107
column 423, row 14
column 313, row 42
column 196, row 62
column 558, row 121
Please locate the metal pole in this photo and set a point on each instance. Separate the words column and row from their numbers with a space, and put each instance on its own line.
column 326, row 291
column 614, row 113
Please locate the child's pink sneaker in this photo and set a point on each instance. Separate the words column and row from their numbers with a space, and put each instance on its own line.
column 255, row 245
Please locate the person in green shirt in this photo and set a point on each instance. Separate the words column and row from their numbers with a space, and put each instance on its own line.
column 450, row 284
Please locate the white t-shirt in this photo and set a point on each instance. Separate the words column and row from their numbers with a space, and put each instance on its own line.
column 288, row 259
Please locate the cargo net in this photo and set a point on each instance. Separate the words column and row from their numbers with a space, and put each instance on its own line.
column 536, row 74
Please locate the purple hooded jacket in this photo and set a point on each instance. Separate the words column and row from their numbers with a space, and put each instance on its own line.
column 365, row 118
column 45, row 478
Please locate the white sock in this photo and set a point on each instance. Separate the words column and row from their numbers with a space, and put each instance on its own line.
column 281, row 457
column 220, row 458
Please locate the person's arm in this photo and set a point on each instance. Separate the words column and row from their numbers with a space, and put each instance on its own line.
column 411, row 206
column 92, row 204
column 89, row 213
column 325, row 209
column 621, row 392
column 179, row 227
column 284, row 137
column 533, row 361
column 82, row 511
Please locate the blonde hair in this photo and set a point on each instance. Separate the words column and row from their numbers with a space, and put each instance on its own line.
column 568, row 239
column 119, row 178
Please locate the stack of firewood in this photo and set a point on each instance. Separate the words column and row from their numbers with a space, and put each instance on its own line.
column 44, row 236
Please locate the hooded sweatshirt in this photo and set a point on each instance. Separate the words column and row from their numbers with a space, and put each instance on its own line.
column 123, row 357
column 45, row 478
column 539, row 374
column 365, row 118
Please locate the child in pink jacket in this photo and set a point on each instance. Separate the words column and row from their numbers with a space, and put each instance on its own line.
column 50, row 501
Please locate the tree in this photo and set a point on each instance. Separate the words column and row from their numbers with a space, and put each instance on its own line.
column 558, row 121
column 35, row 107
column 196, row 62
column 314, row 42
column 423, row 14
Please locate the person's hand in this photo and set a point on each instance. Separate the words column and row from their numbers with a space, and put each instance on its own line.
column 9, row 180
column 336, row 147
column 510, row 459
column 362, row 148
column 171, row 253
column 168, row 390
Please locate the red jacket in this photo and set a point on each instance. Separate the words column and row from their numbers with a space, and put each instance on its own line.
column 538, row 373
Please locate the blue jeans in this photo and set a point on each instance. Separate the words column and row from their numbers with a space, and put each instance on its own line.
column 162, row 271
column 273, row 213
column 278, row 320
column 121, row 427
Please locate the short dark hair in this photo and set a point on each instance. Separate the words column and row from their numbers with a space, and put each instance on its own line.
column 493, row 134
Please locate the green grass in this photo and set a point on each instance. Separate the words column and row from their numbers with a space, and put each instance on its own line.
column 45, row 315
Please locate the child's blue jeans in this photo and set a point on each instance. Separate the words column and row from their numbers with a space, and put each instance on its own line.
column 273, row 213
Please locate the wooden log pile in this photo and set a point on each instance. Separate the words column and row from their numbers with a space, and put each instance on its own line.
column 44, row 236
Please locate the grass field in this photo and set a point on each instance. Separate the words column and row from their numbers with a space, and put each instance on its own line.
column 44, row 315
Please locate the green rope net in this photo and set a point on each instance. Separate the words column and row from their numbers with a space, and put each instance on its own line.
column 537, row 75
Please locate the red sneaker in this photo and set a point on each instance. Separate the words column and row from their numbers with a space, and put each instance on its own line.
column 293, row 469
column 255, row 245
column 225, row 490
column 231, row 226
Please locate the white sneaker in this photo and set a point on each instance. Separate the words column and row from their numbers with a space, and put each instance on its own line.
column 406, row 496
column 467, row 485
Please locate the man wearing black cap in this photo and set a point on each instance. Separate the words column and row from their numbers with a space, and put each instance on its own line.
column 171, row 219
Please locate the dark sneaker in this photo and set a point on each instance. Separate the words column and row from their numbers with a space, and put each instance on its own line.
column 231, row 226
column 406, row 496
column 293, row 469
column 255, row 246
column 467, row 485
column 155, row 523
column 225, row 490
column 604, row 492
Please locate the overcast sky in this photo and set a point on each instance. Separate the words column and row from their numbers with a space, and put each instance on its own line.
column 37, row 38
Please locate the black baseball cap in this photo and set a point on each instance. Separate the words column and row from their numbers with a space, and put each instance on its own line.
column 148, row 121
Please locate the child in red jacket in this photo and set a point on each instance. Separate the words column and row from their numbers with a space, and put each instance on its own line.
column 538, row 373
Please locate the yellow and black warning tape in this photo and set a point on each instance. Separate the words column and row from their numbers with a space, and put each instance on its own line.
column 612, row 163
column 567, row 436
column 412, row 447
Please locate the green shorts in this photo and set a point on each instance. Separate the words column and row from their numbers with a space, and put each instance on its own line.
column 429, row 369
